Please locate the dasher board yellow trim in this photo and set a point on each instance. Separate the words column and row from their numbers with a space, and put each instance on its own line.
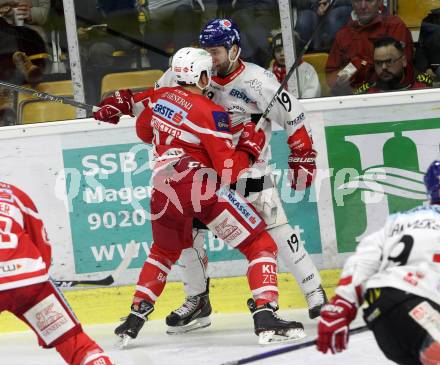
column 228, row 295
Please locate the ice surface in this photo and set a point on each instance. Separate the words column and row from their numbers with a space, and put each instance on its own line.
column 230, row 337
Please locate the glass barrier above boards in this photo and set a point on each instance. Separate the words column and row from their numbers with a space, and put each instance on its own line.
column 128, row 44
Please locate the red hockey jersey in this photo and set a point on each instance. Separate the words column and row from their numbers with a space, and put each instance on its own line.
column 180, row 123
column 25, row 252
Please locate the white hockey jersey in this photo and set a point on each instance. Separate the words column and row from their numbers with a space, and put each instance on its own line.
column 404, row 254
column 245, row 94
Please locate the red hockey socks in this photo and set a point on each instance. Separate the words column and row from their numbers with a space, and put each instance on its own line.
column 82, row 350
column 153, row 276
column 262, row 269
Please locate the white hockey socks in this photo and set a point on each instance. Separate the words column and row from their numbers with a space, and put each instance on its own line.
column 293, row 254
column 193, row 265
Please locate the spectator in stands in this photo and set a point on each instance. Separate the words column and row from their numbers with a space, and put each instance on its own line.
column 108, row 31
column 308, row 81
column 427, row 57
column 256, row 19
column 104, row 28
column 33, row 12
column 392, row 71
column 171, row 25
column 215, row 9
column 309, row 13
column 351, row 56
column 17, row 44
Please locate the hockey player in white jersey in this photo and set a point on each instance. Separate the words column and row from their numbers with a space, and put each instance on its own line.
column 244, row 90
column 396, row 271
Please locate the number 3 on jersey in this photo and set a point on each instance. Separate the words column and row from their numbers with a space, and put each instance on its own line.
column 7, row 239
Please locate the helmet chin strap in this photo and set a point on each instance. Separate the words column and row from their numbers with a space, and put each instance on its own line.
column 204, row 89
column 232, row 61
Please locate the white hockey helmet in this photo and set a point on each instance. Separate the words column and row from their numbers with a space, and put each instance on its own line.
column 188, row 64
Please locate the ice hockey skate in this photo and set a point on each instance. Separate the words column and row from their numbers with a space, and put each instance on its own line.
column 315, row 300
column 270, row 328
column 192, row 315
column 133, row 323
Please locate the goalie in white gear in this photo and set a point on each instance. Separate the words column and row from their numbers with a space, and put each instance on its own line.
column 396, row 271
column 244, row 90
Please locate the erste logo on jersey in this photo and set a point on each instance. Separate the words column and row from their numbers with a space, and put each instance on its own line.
column 170, row 112
column 239, row 94
column 221, row 121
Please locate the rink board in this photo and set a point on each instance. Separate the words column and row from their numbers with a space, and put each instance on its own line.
column 227, row 295
column 90, row 182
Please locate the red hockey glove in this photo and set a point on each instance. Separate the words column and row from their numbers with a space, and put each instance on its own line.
column 251, row 141
column 333, row 325
column 302, row 165
column 114, row 106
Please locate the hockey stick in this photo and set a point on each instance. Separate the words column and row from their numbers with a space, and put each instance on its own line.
column 49, row 97
column 282, row 350
column 108, row 280
column 294, row 67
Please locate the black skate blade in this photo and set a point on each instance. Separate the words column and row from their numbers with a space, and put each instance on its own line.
column 123, row 341
column 276, row 337
column 195, row 325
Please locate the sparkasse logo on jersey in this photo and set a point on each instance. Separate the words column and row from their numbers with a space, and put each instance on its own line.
column 241, row 206
column 378, row 170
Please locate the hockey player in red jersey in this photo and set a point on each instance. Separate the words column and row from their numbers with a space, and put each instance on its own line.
column 195, row 162
column 25, row 288
column 244, row 90
column 396, row 271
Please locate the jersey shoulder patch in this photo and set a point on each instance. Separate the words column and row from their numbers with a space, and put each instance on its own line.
column 221, row 121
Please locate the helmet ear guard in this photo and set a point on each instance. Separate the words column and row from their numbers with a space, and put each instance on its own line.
column 189, row 63
column 432, row 182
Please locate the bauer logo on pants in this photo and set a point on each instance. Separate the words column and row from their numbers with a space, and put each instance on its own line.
column 49, row 319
